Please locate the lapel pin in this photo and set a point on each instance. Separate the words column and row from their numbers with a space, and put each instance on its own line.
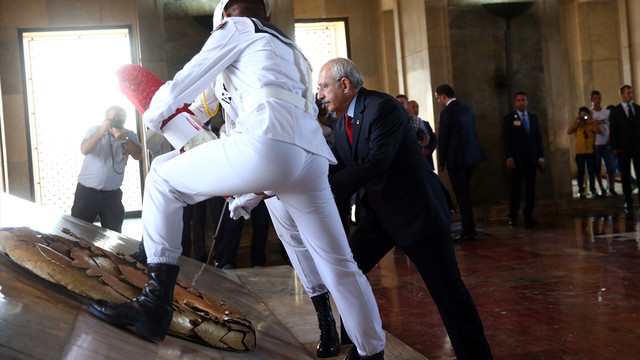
column 357, row 121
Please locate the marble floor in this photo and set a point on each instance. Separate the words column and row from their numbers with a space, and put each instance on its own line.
column 569, row 289
column 40, row 320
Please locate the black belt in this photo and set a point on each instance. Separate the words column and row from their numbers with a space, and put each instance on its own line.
column 95, row 190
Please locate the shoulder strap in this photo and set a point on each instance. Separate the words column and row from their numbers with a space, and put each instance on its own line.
column 268, row 28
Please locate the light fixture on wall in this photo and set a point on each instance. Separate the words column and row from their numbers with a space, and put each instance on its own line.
column 508, row 11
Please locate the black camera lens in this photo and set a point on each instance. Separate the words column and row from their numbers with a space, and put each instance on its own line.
column 117, row 123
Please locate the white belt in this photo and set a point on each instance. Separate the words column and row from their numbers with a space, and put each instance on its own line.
column 278, row 93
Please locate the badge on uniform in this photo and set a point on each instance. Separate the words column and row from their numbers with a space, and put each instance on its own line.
column 517, row 121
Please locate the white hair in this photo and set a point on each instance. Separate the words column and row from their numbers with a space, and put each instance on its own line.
column 345, row 68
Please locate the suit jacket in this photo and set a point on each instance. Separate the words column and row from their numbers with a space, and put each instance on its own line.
column 433, row 143
column 458, row 144
column 387, row 163
column 624, row 132
column 518, row 144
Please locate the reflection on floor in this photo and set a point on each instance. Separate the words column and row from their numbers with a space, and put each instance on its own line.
column 569, row 289
column 40, row 320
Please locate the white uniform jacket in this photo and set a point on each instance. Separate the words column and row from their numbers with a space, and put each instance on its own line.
column 254, row 56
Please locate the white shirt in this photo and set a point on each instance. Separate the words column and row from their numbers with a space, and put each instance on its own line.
column 253, row 59
column 352, row 106
column 598, row 116
column 103, row 168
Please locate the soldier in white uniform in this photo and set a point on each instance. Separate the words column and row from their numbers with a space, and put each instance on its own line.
column 274, row 144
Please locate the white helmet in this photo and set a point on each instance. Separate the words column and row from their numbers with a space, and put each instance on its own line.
column 218, row 13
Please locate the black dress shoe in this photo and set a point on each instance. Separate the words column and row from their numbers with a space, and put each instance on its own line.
column 353, row 355
column 464, row 237
column 530, row 222
column 513, row 221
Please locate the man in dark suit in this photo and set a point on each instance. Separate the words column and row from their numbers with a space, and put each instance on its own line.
column 402, row 201
column 523, row 147
column 624, row 123
column 459, row 151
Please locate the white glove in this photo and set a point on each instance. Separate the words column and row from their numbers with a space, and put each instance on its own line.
column 243, row 205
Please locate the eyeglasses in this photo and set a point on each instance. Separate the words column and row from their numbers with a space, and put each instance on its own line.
column 324, row 87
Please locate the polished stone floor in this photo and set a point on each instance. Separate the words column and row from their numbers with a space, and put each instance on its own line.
column 569, row 289
column 40, row 320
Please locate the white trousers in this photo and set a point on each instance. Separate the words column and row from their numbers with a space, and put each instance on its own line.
column 246, row 164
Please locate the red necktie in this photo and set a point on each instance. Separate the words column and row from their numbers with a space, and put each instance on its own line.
column 349, row 128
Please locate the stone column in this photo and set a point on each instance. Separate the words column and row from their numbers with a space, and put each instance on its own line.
column 559, row 156
column 630, row 23
column 414, row 48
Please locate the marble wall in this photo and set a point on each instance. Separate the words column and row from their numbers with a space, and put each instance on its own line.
column 562, row 49
column 188, row 23
column 477, row 43
column 187, row 26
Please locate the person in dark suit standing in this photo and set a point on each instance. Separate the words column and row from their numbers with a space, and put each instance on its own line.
column 402, row 201
column 459, row 151
column 523, row 147
column 624, row 122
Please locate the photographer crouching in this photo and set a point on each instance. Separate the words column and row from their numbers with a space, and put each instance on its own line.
column 106, row 148
column 585, row 129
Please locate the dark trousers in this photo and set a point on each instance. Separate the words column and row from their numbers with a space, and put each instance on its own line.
column 523, row 173
column 624, row 161
column 589, row 160
column 460, row 178
column 216, row 205
column 230, row 240
column 434, row 257
column 193, row 228
column 88, row 203
column 194, row 218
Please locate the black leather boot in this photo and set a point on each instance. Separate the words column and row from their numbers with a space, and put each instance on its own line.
column 329, row 344
column 150, row 314
column 353, row 355
column 140, row 255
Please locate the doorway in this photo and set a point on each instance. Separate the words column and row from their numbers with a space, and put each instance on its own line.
column 322, row 40
column 70, row 81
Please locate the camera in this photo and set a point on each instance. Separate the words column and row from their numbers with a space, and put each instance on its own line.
column 117, row 122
